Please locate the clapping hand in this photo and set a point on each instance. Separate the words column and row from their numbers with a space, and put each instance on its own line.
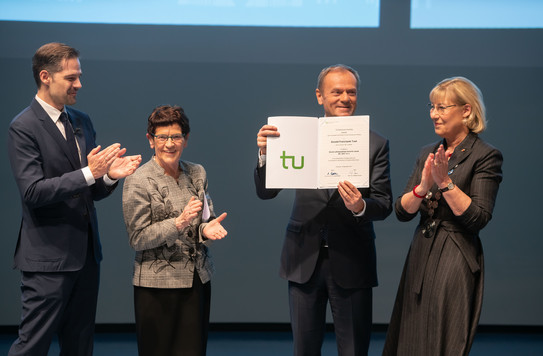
column 214, row 230
column 190, row 212
column 101, row 160
column 124, row 166
column 440, row 167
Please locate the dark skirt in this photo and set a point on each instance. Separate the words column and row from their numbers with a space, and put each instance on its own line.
column 439, row 299
column 172, row 322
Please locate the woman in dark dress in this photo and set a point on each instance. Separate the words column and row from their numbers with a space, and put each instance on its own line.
column 453, row 186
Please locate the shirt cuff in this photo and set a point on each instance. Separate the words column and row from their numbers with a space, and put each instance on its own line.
column 88, row 176
column 362, row 212
column 261, row 159
column 109, row 181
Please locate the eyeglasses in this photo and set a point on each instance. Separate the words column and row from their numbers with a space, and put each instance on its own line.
column 177, row 138
column 440, row 108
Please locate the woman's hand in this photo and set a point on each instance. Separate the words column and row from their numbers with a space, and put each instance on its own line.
column 411, row 200
column 426, row 179
column 214, row 230
column 440, row 168
column 190, row 212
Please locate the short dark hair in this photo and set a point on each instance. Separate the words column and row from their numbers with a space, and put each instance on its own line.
column 337, row 67
column 51, row 57
column 166, row 115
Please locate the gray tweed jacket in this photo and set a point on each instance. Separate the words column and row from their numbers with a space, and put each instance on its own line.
column 165, row 257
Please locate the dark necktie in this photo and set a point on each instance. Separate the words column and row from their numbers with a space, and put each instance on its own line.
column 70, row 138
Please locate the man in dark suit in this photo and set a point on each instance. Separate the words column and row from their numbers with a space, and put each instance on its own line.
column 329, row 251
column 60, row 172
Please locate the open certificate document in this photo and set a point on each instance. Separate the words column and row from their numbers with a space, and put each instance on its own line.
column 313, row 152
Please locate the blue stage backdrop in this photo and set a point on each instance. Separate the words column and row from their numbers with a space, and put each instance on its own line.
column 230, row 78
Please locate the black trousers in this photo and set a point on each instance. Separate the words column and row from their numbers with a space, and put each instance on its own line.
column 172, row 322
column 351, row 311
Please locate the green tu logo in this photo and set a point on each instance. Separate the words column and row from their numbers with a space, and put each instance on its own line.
column 285, row 158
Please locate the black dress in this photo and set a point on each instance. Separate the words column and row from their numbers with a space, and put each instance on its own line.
column 439, row 298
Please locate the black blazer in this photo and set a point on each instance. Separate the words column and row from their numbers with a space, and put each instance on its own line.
column 57, row 204
column 350, row 239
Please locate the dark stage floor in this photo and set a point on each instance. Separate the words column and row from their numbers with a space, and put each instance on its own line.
column 278, row 343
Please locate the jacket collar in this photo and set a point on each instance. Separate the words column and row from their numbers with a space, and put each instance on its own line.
column 51, row 128
column 463, row 150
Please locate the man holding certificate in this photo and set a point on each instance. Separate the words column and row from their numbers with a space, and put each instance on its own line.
column 329, row 251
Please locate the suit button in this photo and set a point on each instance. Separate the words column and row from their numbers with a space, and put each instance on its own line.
column 76, row 195
column 189, row 234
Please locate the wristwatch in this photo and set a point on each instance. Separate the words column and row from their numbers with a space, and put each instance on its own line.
column 449, row 186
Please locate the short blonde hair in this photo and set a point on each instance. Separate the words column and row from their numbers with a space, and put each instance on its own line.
column 463, row 91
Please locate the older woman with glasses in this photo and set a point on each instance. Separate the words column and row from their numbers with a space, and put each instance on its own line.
column 453, row 187
column 170, row 222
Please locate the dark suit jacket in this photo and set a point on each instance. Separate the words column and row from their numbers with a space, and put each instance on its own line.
column 57, row 203
column 350, row 239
